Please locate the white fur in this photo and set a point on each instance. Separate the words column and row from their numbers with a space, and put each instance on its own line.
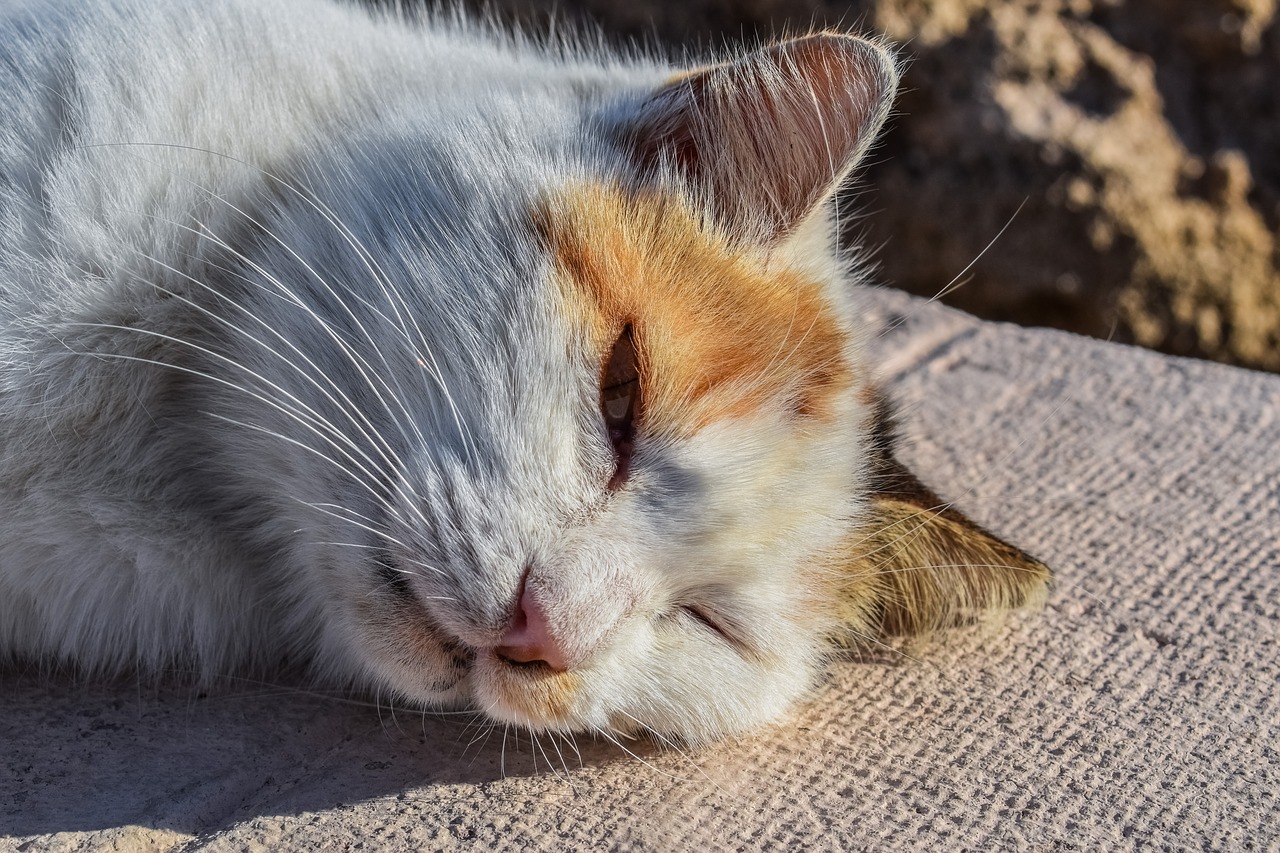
column 312, row 221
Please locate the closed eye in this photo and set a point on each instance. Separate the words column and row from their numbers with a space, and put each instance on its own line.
column 722, row 626
column 706, row 620
column 620, row 403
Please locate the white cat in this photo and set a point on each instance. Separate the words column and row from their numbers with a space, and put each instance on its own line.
column 459, row 369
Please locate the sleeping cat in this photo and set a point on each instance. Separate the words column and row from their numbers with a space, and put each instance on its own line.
column 459, row 369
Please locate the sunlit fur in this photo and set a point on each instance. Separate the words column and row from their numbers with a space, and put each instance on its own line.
column 303, row 316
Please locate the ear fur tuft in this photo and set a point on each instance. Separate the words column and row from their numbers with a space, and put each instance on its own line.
column 762, row 141
column 918, row 565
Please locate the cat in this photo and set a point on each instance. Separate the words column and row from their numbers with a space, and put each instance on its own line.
column 463, row 370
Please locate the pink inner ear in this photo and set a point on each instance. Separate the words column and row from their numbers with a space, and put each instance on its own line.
column 767, row 138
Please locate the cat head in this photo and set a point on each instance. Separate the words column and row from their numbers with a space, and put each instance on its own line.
column 629, row 470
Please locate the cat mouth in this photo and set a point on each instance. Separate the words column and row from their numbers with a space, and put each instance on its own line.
column 530, row 693
column 527, row 694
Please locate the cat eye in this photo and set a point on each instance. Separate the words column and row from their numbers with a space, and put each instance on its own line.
column 720, row 627
column 620, row 403
column 703, row 618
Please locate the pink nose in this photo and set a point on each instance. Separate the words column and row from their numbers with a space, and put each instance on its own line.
column 528, row 638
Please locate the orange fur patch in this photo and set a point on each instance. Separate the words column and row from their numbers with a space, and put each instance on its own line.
column 718, row 334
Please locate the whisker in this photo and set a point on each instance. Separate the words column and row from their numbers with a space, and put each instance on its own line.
column 348, row 510
column 891, row 648
column 951, row 287
column 613, row 740
column 346, row 406
column 367, row 258
column 573, row 744
column 383, row 534
column 293, row 415
column 367, row 547
column 675, row 747
column 389, row 289
column 370, row 377
column 419, row 564
column 303, row 414
column 568, row 776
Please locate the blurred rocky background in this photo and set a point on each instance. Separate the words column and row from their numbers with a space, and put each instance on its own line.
column 1141, row 139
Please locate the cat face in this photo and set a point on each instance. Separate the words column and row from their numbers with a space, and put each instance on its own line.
column 648, row 549
column 598, row 452
column 634, row 524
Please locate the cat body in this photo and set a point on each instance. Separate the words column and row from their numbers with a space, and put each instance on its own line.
column 464, row 370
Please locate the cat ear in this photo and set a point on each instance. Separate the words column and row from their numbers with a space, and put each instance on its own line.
column 918, row 565
column 767, row 138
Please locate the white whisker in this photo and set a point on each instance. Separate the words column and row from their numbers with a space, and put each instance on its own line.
column 346, row 406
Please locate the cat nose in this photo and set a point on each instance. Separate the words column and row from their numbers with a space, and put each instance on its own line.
column 528, row 637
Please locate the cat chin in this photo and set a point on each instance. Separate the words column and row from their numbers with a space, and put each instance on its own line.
column 533, row 696
column 693, row 700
